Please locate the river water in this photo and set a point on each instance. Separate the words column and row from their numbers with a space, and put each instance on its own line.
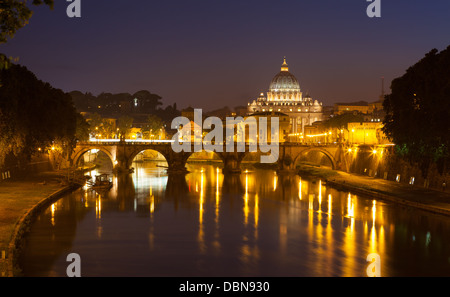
column 256, row 224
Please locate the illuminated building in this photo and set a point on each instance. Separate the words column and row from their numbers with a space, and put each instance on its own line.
column 366, row 133
column 283, row 122
column 285, row 96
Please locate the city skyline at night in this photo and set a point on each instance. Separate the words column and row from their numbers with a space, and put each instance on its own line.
column 240, row 144
column 209, row 55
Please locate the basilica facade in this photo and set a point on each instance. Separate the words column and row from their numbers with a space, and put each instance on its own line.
column 285, row 96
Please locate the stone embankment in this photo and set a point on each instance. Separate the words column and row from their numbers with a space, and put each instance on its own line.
column 401, row 194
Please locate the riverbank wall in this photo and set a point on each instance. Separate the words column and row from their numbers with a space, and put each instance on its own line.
column 386, row 196
column 414, row 196
column 382, row 162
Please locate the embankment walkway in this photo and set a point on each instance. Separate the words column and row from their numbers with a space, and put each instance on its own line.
column 399, row 193
column 18, row 198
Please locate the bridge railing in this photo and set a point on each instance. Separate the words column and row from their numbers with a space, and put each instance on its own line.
column 131, row 142
column 127, row 141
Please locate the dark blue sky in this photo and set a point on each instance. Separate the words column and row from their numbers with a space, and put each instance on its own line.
column 212, row 53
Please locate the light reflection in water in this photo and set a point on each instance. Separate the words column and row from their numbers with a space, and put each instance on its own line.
column 53, row 208
column 275, row 180
column 217, row 195
column 330, row 198
column 256, row 211
column 320, row 196
column 201, row 238
column 152, row 201
column 255, row 224
column 300, row 189
column 246, row 209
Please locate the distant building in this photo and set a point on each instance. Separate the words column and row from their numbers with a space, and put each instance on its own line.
column 285, row 96
column 360, row 107
column 283, row 123
column 374, row 109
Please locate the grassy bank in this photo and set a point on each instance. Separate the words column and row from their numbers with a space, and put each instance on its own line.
column 17, row 197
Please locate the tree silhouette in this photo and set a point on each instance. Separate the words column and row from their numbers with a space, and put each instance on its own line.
column 15, row 14
column 153, row 126
column 125, row 124
column 418, row 112
column 33, row 115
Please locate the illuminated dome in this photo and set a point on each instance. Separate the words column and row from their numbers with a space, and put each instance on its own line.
column 284, row 86
column 284, row 97
column 284, row 81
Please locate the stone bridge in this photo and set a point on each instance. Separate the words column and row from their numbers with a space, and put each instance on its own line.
column 122, row 154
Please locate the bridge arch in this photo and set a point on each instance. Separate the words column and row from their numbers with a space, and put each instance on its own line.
column 79, row 154
column 326, row 153
column 205, row 155
column 132, row 156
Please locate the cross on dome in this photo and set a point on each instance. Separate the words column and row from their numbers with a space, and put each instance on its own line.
column 284, row 67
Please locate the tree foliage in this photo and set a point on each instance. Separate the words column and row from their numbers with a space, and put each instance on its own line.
column 101, row 127
column 154, row 124
column 82, row 128
column 113, row 104
column 418, row 111
column 33, row 115
column 149, row 103
column 15, row 14
column 125, row 124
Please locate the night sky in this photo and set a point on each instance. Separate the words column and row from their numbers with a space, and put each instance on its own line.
column 215, row 53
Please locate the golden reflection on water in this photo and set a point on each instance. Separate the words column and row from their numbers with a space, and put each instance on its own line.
column 330, row 199
column 300, row 189
column 268, row 224
column 53, row 209
column 320, row 196
column 319, row 215
column 256, row 212
column 275, row 180
column 98, row 207
column 246, row 209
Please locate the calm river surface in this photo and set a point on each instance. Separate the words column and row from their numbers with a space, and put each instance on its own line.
column 255, row 224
